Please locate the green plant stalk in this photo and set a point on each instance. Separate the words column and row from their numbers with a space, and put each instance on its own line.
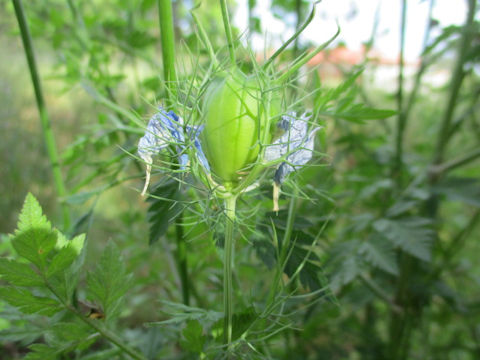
column 167, row 39
column 283, row 255
column 297, row 33
column 181, row 256
column 455, row 84
column 44, row 118
column 230, row 204
column 423, row 65
column 402, row 120
column 456, row 163
column 228, row 31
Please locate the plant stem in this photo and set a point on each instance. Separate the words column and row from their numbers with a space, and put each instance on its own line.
column 167, row 38
column 228, row 262
column 44, row 118
column 167, row 35
column 181, row 256
column 228, row 31
column 455, row 163
column 402, row 120
column 455, row 83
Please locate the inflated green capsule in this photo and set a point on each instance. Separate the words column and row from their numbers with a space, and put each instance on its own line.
column 236, row 123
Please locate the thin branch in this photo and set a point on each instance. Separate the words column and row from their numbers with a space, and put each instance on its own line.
column 44, row 117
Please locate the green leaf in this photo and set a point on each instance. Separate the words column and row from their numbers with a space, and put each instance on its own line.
column 163, row 209
column 41, row 352
column 358, row 113
column 265, row 251
column 344, row 263
column 380, row 253
column 192, row 337
column 311, row 274
column 27, row 303
column 411, row 235
column 242, row 321
column 66, row 256
column 109, row 282
column 34, row 238
column 19, row 274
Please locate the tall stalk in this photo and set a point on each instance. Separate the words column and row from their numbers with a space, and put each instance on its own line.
column 167, row 38
column 455, row 83
column 402, row 120
column 228, row 262
column 228, row 31
column 44, row 118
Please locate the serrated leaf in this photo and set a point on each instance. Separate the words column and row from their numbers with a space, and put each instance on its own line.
column 19, row 274
column 344, row 264
column 66, row 255
column 31, row 215
column 163, row 209
column 411, row 235
column 109, row 282
column 346, row 272
column 380, row 253
column 34, row 238
column 27, row 303
column 41, row 352
column 192, row 337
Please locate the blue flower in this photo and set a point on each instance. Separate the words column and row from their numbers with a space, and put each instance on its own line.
column 296, row 144
column 165, row 129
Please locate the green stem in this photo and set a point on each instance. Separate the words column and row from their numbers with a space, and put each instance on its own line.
column 423, row 65
column 228, row 262
column 402, row 120
column 44, row 118
column 165, row 14
column 292, row 38
column 456, row 163
column 282, row 256
column 455, row 83
column 182, row 259
column 167, row 38
column 228, row 31
column 298, row 15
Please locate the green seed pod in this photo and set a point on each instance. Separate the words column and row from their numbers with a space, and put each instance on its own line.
column 236, row 123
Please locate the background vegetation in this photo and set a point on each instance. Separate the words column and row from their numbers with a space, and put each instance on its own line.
column 384, row 262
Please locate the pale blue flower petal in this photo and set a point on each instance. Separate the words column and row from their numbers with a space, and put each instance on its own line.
column 158, row 135
column 296, row 141
column 166, row 128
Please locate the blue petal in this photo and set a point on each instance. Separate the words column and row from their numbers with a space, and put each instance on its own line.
column 296, row 142
column 166, row 128
column 158, row 135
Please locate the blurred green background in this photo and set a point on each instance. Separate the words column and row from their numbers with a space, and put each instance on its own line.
column 398, row 233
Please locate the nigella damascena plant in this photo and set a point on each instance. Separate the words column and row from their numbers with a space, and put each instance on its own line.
column 241, row 136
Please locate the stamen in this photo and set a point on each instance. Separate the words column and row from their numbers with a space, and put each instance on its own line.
column 147, row 179
column 276, row 195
